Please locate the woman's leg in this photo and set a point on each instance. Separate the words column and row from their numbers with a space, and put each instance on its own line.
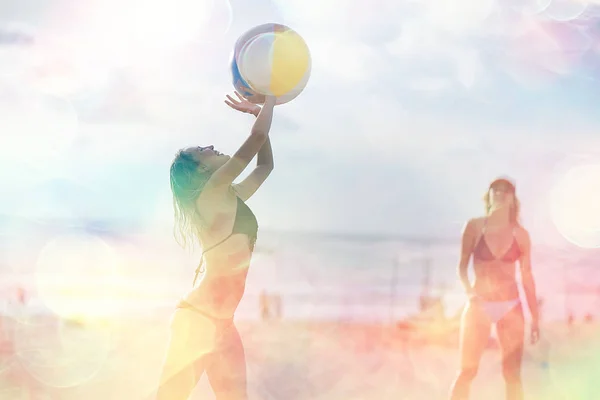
column 191, row 340
column 226, row 368
column 474, row 336
column 511, row 334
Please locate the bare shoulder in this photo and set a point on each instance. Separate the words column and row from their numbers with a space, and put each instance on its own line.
column 522, row 235
column 471, row 230
column 216, row 209
column 474, row 224
column 478, row 221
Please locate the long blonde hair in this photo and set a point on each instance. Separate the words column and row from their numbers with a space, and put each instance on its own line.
column 186, row 184
column 514, row 214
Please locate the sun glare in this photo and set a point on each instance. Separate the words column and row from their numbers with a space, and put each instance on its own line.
column 76, row 276
column 575, row 205
column 136, row 28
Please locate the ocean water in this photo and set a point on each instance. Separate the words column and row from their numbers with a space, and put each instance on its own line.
column 354, row 277
column 317, row 276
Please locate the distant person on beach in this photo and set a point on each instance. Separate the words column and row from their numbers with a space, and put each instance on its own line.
column 210, row 208
column 265, row 312
column 21, row 295
column 495, row 242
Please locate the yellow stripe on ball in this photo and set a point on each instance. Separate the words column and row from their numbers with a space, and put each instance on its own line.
column 290, row 61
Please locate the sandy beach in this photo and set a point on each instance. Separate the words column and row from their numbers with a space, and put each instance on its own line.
column 288, row 360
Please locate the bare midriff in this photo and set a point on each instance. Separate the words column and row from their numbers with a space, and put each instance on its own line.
column 495, row 280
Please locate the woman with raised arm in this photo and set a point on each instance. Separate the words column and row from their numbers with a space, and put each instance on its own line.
column 211, row 209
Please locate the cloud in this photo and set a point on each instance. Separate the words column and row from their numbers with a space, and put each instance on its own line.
column 367, row 21
column 403, row 122
column 119, row 100
column 26, row 11
column 13, row 36
column 16, row 44
column 352, row 62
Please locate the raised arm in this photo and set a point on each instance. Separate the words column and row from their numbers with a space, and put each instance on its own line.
column 225, row 175
column 467, row 244
column 264, row 165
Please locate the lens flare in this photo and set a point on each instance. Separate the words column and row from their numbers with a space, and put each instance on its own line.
column 575, row 205
column 566, row 10
column 59, row 352
column 76, row 276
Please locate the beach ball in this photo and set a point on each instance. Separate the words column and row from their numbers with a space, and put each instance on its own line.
column 270, row 59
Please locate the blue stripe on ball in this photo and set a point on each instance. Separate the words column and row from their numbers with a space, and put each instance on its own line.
column 238, row 81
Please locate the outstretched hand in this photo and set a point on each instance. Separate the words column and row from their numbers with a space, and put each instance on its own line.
column 242, row 104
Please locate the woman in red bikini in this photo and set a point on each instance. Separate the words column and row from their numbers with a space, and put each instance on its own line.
column 496, row 243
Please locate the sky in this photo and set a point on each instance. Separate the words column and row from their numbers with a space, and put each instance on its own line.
column 412, row 108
